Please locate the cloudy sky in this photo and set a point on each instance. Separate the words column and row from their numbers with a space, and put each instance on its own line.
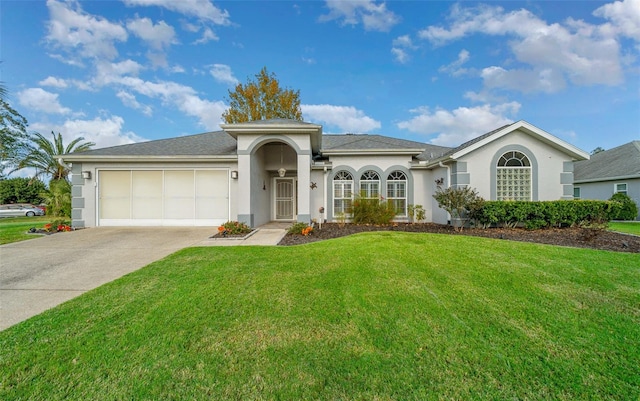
column 440, row 72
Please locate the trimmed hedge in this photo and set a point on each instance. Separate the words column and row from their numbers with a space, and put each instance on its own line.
column 541, row 214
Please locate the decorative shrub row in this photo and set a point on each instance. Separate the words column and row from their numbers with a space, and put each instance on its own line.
column 372, row 211
column 533, row 215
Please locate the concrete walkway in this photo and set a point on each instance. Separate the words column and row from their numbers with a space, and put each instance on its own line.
column 41, row 273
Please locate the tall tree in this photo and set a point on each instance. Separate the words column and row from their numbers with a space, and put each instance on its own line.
column 262, row 99
column 43, row 156
column 13, row 136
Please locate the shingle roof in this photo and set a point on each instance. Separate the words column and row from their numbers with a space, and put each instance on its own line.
column 207, row 144
column 622, row 161
column 367, row 142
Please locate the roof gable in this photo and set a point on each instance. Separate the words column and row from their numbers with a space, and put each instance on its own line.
column 617, row 163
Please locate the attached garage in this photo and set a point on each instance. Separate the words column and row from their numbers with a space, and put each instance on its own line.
column 180, row 197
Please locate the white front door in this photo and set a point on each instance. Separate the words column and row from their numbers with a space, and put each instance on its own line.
column 285, row 199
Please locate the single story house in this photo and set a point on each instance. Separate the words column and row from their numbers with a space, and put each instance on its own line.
column 284, row 170
column 608, row 172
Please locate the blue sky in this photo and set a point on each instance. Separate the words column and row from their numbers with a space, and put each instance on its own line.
column 439, row 72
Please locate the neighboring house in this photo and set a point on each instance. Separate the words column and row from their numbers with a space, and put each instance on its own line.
column 283, row 170
column 608, row 172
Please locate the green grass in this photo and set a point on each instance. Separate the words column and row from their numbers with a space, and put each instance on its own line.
column 373, row 316
column 625, row 227
column 14, row 229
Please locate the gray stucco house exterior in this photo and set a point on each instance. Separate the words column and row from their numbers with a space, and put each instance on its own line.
column 608, row 172
column 283, row 170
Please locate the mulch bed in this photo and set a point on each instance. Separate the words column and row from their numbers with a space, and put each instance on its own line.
column 570, row 236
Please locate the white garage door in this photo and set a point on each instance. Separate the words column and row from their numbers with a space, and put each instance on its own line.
column 163, row 197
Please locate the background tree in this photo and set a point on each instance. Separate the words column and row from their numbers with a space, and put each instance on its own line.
column 13, row 137
column 21, row 190
column 43, row 156
column 597, row 150
column 58, row 198
column 262, row 99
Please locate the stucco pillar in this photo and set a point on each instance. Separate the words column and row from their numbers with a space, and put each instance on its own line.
column 304, row 191
column 245, row 214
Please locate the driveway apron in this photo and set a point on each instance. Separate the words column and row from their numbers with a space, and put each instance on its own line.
column 38, row 274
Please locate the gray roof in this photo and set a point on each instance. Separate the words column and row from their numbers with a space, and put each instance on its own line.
column 367, row 142
column 207, row 144
column 622, row 161
column 476, row 139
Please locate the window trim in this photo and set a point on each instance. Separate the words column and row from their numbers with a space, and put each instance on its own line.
column 616, row 190
column 404, row 182
column 505, row 165
column 579, row 193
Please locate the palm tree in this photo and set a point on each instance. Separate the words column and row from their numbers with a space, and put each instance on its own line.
column 43, row 157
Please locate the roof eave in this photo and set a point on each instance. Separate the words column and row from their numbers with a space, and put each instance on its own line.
column 546, row 137
column 617, row 178
column 138, row 158
column 361, row 152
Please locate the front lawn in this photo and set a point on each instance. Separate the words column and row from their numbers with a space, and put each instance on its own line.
column 628, row 227
column 14, row 229
column 373, row 316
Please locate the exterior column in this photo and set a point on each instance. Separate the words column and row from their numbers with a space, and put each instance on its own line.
column 244, row 190
column 304, row 191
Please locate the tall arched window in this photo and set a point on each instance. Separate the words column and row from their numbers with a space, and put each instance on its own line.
column 513, row 181
column 370, row 184
column 397, row 192
column 342, row 192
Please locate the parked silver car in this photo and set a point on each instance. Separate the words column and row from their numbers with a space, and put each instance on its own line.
column 20, row 210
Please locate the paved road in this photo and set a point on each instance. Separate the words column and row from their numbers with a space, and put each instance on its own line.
column 38, row 274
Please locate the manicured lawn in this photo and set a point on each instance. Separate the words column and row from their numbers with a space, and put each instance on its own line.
column 14, row 229
column 373, row 316
column 625, row 227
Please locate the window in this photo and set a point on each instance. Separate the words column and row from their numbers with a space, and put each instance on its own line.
column 513, row 181
column 397, row 192
column 370, row 185
column 621, row 188
column 342, row 192
column 576, row 192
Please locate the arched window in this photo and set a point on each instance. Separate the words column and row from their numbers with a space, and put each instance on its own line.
column 397, row 192
column 342, row 192
column 513, row 181
column 370, row 185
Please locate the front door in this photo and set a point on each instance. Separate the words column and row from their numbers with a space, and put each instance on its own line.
column 285, row 199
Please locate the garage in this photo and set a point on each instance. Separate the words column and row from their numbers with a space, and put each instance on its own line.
column 184, row 197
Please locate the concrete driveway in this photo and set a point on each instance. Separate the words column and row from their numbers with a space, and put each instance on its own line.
column 38, row 274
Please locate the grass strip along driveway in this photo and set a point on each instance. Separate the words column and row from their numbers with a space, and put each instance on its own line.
column 372, row 316
column 14, row 229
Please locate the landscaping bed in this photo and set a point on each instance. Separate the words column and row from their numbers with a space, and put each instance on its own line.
column 569, row 236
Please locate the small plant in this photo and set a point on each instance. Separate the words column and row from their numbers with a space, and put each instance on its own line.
column 416, row 213
column 341, row 217
column 301, row 229
column 234, row 228
column 372, row 210
column 57, row 225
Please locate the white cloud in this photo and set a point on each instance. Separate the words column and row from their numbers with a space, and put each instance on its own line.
column 401, row 46
column 38, row 99
column 543, row 80
column 81, row 34
column 103, row 132
column 222, row 73
column 454, row 127
column 130, row 100
column 373, row 16
column 158, row 36
column 54, row 82
column 455, row 68
column 207, row 36
column 624, row 16
column 574, row 50
column 202, row 9
column 346, row 118
column 107, row 73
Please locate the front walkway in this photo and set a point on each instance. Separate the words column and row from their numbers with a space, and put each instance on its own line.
column 265, row 235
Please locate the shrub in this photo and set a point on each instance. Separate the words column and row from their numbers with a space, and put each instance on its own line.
column 234, row 228
column 462, row 202
column 372, row 211
column 301, row 229
column 628, row 208
column 535, row 215
column 416, row 213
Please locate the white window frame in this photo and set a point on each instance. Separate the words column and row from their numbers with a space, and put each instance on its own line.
column 617, row 190
column 513, row 167
column 342, row 192
column 395, row 184
column 370, row 185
